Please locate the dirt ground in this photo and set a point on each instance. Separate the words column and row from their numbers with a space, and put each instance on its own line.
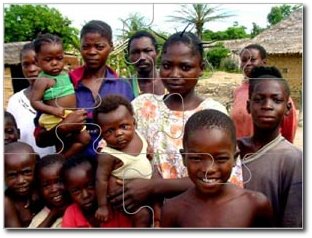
column 220, row 87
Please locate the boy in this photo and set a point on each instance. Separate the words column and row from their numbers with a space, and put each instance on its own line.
column 273, row 166
column 253, row 56
column 209, row 151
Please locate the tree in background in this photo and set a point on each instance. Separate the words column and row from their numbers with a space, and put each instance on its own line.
column 231, row 33
column 133, row 23
column 279, row 13
column 216, row 54
column 24, row 22
column 198, row 15
column 256, row 30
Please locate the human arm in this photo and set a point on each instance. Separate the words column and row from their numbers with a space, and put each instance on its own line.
column 139, row 191
column 53, row 215
column 167, row 215
column 73, row 122
column 36, row 97
column 263, row 211
column 289, row 123
column 10, row 214
column 103, row 172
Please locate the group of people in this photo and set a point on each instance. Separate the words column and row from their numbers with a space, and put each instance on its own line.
column 147, row 151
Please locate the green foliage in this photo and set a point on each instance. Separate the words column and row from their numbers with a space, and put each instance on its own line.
column 197, row 15
column 231, row 33
column 279, row 13
column 256, row 30
column 216, row 54
column 229, row 65
column 24, row 22
column 135, row 22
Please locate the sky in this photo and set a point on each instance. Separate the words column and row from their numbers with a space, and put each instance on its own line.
column 156, row 15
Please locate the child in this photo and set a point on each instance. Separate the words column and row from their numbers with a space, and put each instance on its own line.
column 252, row 56
column 19, row 103
column 124, row 157
column 53, row 94
column 93, row 80
column 161, row 119
column 11, row 132
column 209, row 151
column 79, row 179
column 52, row 191
column 21, row 201
column 273, row 165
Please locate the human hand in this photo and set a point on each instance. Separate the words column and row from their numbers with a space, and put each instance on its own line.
column 133, row 194
column 58, row 112
column 74, row 121
column 102, row 214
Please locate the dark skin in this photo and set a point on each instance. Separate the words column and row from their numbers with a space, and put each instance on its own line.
column 19, row 178
column 80, row 183
column 94, row 50
column 118, row 130
column 53, row 192
column 268, row 105
column 180, row 69
column 11, row 132
column 209, row 157
column 142, row 54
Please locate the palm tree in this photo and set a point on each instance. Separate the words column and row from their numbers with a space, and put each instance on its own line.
column 132, row 24
column 199, row 14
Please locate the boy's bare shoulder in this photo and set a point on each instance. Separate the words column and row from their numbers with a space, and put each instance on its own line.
column 257, row 199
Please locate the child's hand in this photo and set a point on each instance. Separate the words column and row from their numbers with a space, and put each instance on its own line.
column 59, row 112
column 102, row 214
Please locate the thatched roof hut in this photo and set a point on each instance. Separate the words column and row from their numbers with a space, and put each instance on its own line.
column 12, row 52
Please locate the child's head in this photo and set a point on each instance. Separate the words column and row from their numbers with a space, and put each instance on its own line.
column 49, row 53
column 78, row 174
column 48, row 176
column 11, row 132
column 95, row 43
column 268, row 97
column 19, row 168
column 181, row 62
column 28, row 62
column 115, row 117
column 209, row 149
column 252, row 56
column 142, row 51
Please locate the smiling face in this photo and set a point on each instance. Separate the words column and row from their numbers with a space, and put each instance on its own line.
column 80, row 183
column 95, row 50
column 50, row 58
column 249, row 59
column 118, row 127
column 143, row 54
column 51, row 185
column 29, row 66
column 19, row 171
column 209, row 158
column 268, row 104
column 180, row 68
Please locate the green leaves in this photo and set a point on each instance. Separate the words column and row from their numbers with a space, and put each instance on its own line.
column 23, row 22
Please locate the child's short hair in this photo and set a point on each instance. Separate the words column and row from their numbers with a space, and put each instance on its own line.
column 9, row 116
column 46, row 38
column 187, row 38
column 75, row 161
column 208, row 119
column 48, row 160
column 110, row 103
column 140, row 34
column 266, row 73
column 27, row 47
column 258, row 47
column 96, row 26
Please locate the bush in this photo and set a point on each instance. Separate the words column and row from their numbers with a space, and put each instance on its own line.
column 216, row 54
column 229, row 65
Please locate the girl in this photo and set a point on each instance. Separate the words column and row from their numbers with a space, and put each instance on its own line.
column 21, row 201
column 54, row 94
column 52, row 190
column 19, row 103
column 161, row 120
